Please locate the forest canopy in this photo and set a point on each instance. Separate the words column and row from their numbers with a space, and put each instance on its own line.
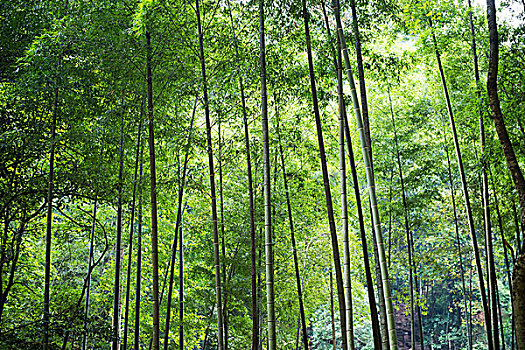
column 271, row 174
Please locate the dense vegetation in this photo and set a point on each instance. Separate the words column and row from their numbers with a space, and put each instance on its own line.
column 208, row 175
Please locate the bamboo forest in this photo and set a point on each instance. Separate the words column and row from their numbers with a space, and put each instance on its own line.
column 262, row 174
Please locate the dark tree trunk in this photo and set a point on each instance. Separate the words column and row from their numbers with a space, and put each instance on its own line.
column 407, row 231
column 485, row 194
column 326, row 180
column 181, row 288
column 49, row 223
column 458, row 244
column 514, row 169
column 90, row 264
column 139, row 260
column 153, row 198
column 470, row 219
column 255, row 324
column 131, row 231
column 178, row 223
column 223, row 244
column 332, row 311
column 216, row 254
column 115, row 344
column 506, row 255
column 292, row 236
column 338, row 68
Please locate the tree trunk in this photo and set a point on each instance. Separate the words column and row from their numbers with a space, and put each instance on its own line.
column 492, row 278
column 506, row 255
column 332, row 311
column 344, row 215
column 485, row 194
column 292, row 236
column 326, row 180
column 361, row 78
column 131, row 231
column 467, row 199
column 139, row 260
column 371, row 189
column 500, row 318
column 49, row 222
column 115, row 344
column 223, row 244
column 407, row 231
column 514, row 169
column 419, row 317
column 216, row 256
column 178, row 223
column 90, row 263
column 153, row 199
column 255, row 325
column 458, row 243
column 268, row 239
column 338, row 68
column 517, row 227
column 181, row 288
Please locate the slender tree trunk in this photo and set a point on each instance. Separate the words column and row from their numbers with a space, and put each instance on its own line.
column 514, row 169
column 153, row 198
column 255, row 325
column 332, row 311
column 216, row 254
column 344, row 216
column 115, row 344
column 366, row 126
column 260, row 293
column 139, row 260
column 270, row 300
column 181, row 288
column 506, row 255
column 131, row 231
column 485, row 194
column 294, row 247
column 390, row 215
column 419, row 316
column 338, row 67
column 223, row 244
column 49, row 223
column 407, row 230
column 371, row 188
column 326, row 180
column 178, row 223
column 385, row 341
column 361, row 77
column 344, row 201
column 492, row 278
column 89, row 270
column 376, row 331
column 468, row 209
column 253, row 243
column 458, row 244
column 500, row 318
column 90, row 263
column 517, row 227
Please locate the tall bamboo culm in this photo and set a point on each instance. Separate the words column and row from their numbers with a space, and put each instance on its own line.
column 268, row 240
column 216, row 256
column 466, row 197
column 326, row 184
column 371, row 187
